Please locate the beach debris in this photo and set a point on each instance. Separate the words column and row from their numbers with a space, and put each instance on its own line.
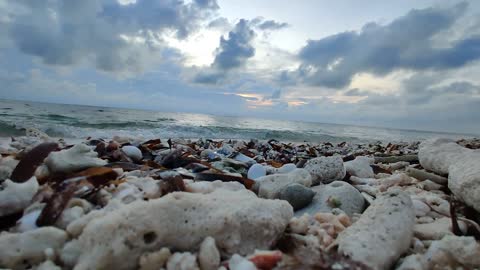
column 461, row 164
column 24, row 250
column 76, row 158
column 229, row 204
column 31, row 160
column 394, row 159
column 208, row 255
column 154, row 260
column 337, row 194
column 383, row 232
column 141, row 226
column 256, row 171
column 248, row 183
column 325, row 169
column 7, row 165
column 360, row 167
column 297, row 195
column 269, row 186
column 14, row 197
column 133, row 152
column 451, row 252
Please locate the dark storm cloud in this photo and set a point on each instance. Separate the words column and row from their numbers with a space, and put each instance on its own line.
column 236, row 48
column 232, row 53
column 405, row 43
column 68, row 32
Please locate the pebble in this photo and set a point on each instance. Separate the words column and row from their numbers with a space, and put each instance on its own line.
column 297, row 195
column 270, row 185
column 256, row 171
column 286, row 168
column 360, row 167
column 208, row 255
column 337, row 194
column 133, row 152
column 325, row 169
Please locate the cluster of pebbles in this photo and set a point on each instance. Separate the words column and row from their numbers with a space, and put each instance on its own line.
column 238, row 205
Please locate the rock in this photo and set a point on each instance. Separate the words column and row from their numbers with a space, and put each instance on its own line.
column 437, row 155
column 269, row 186
column 383, row 232
column 360, row 167
column 325, row 169
column 154, row 260
column 18, row 250
column 133, row 152
column 247, row 160
column 337, row 194
column 445, row 156
column 7, row 165
column 238, row 262
column 437, row 229
column 239, row 221
column 28, row 221
column 256, row 171
column 208, row 255
column 225, row 150
column 423, row 175
column 182, row 261
column 14, row 197
column 421, row 208
column 429, row 185
column 208, row 187
column 452, row 252
column 48, row 265
column 209, row 154
column 286, row 168
column 297, row 195
column 234, row 163
column 76, row 158
column 455, row 252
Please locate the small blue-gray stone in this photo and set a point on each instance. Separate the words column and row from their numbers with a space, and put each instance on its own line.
column 297, row 195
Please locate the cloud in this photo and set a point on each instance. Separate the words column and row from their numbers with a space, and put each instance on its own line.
column 232, row 53
column 405, row 43
column 276, row 94
column 113, row 37
column 268, row 25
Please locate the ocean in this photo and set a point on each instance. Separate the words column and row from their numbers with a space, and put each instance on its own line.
column 77, row 121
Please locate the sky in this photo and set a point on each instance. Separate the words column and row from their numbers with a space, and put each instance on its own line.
column 401, row 64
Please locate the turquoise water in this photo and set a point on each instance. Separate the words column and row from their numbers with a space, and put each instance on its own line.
column 74, row 121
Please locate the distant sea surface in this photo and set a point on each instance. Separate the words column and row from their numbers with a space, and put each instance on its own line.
column 74, row 121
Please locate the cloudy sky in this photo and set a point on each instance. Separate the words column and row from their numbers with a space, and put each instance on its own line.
column 406, row 64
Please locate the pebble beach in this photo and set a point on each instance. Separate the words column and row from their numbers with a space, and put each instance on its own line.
column 166, row 203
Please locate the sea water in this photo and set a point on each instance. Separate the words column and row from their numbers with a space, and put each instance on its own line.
column 77, row 121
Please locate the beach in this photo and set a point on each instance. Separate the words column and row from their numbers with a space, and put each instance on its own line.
column 166, row 203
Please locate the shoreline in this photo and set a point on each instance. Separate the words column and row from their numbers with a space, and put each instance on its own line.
column 208, row 204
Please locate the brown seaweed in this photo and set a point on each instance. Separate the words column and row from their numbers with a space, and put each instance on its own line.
column 57, row 203
column 172, row 184
column 29, row 163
